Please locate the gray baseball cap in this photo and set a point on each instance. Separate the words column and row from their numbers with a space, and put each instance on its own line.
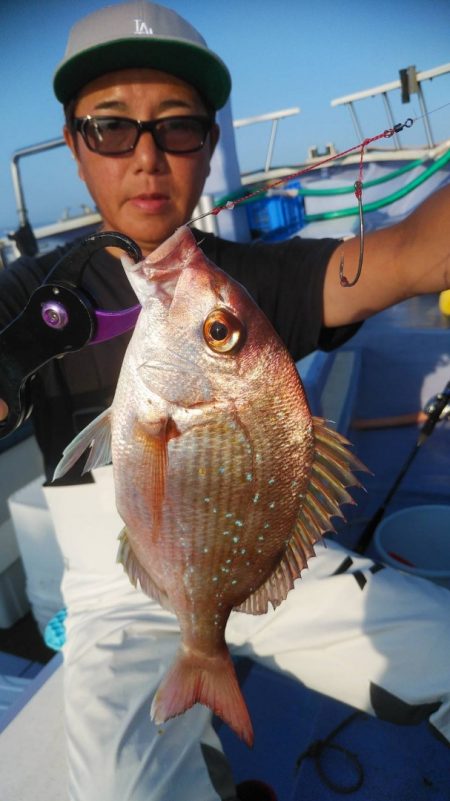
column 140, row 34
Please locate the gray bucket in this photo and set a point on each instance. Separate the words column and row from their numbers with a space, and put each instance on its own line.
column 417, row 540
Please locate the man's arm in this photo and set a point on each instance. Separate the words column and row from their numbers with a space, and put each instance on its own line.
column 407, row 259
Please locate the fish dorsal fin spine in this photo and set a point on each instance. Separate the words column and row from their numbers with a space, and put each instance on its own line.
column 331, row 472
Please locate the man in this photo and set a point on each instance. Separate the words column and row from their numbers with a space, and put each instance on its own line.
column 146, row 178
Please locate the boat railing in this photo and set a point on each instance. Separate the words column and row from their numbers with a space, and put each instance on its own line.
column 32, row 150
column 410, row 82
column 274, row 117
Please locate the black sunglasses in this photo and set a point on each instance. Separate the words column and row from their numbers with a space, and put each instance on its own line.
column 113, row 136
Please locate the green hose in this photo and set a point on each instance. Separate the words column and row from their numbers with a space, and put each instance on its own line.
column 378, row 204
column 353, row 210
column 343, row 190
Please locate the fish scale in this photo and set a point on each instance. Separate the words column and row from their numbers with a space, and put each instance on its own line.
column 223, row 479
column 211, row 509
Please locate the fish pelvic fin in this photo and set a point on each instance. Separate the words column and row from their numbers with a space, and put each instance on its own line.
column 97, row 437
column 209, row 680
column 137, row 574
column 331, row 473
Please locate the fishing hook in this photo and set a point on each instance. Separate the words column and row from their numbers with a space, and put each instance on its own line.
column 342, row 278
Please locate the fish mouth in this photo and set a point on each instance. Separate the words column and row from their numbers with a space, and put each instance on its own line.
column 157, row 276
column 180, row 245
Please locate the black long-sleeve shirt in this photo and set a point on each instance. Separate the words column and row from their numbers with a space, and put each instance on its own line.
column 285, row 279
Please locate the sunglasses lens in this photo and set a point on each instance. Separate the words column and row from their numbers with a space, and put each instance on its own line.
column 181, row 134
column 110, row 134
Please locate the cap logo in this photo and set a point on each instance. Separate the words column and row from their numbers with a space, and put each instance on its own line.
column 141, row 28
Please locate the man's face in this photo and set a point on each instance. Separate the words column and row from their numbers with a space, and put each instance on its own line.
column 145, row 194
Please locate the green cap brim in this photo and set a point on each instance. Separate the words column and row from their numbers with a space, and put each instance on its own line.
column 197, row 66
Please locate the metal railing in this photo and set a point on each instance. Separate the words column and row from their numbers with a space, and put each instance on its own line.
column 410, row 82
column 17, row 178
column 273, row 116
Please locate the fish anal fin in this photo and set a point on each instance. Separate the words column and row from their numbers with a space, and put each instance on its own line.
column 331, row 472
column 97, row 436
column 137, row 574
column 275, row 589
column 209, row 680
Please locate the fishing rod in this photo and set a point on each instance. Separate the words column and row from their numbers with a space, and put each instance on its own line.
column 438, row 408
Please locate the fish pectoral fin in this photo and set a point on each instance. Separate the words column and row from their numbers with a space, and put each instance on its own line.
column 97, row 436
column 331, row 472
column 136, row 573
column 155, row 460
column 210, row 680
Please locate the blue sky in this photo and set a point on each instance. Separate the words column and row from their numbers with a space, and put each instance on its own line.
column 280, row 54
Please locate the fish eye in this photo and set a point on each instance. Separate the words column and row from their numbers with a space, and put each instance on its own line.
column 223, row 332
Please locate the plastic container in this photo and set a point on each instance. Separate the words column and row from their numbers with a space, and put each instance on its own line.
column 417, row 540
column 276, row 215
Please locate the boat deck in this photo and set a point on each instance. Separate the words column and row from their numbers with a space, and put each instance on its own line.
column 386, row 760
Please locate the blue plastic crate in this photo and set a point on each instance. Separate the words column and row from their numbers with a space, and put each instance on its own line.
column 275, row 214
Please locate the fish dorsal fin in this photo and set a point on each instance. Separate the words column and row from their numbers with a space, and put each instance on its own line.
column 97, row 436
column 136, row 573
column 331, row 473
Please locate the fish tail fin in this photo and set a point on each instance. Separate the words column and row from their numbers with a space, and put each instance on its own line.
column 194, row 678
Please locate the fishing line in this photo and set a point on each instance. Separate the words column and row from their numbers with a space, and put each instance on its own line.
column 230, row 204
column 386, row 134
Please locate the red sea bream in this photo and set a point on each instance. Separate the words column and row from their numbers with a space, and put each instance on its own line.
column 223, row 478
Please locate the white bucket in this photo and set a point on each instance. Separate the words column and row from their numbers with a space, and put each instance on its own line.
column 417, row 540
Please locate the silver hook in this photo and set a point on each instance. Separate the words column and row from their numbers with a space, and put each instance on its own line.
column 342, row 278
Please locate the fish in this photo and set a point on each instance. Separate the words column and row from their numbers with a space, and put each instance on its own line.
column 223, row 478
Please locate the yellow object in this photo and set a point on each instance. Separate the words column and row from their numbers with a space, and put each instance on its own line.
column 444, row 302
